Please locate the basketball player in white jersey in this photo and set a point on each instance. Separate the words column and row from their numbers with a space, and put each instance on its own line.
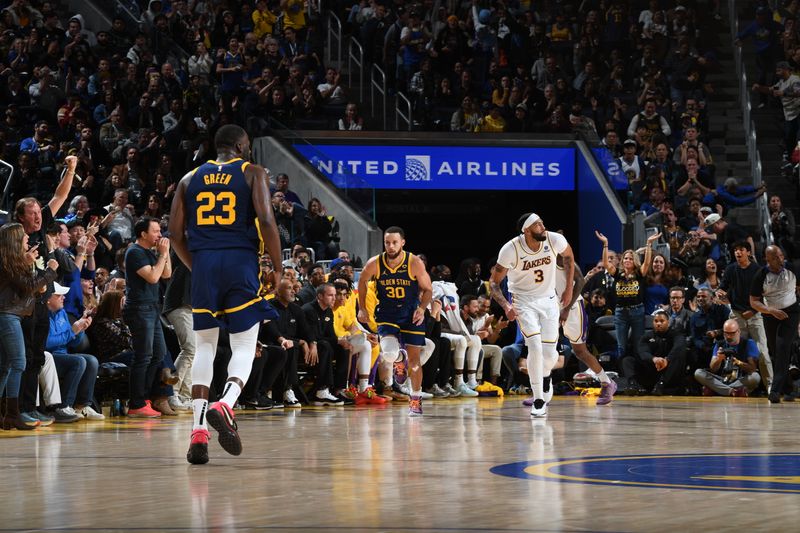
column 529, row 261
column 575, row 324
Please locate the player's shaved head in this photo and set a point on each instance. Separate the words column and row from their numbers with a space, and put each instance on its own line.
column 228, row 136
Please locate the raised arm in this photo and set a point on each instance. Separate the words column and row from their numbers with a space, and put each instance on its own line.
column 608, row 266
column 64, row 186
column 648, row 253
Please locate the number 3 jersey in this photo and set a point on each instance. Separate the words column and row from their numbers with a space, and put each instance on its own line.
column 219, row 208
column 532, row 273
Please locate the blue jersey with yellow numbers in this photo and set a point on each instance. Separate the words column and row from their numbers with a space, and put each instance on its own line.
column 397, row 290
column 219, row 208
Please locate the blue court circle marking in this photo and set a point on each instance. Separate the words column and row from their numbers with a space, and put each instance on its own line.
column 743, row 472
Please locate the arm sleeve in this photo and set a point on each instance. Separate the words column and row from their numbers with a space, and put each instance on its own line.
column 135, row 259
column 757, row 287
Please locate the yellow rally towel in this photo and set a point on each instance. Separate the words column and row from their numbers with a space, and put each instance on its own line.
column 487, row 389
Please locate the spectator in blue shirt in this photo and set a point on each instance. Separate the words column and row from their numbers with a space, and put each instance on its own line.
column 731, row 194
column 77, row 372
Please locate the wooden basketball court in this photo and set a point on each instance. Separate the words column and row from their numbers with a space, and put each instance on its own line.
column 640, row 464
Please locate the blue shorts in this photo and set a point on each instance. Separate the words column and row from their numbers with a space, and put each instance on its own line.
column 405, row 330
column 225, row 291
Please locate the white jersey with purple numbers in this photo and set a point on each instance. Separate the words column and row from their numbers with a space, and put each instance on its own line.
column 532, row 274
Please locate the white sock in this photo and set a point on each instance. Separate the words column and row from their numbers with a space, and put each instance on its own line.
column 459, row 380
column 231, row 394
column 603, row 377
column 363, row 384
column 199, row 407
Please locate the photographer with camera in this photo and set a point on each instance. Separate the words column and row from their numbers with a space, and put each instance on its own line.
column 733, row 367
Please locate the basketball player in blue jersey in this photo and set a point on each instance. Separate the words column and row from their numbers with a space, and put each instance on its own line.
column 404, row 292
column 220, row 222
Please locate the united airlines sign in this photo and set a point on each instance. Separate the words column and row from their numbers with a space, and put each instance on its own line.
column 443, row 167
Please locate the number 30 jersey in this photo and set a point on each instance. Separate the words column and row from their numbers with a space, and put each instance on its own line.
column 397, row 290
column 219, row 208
column 532, row 273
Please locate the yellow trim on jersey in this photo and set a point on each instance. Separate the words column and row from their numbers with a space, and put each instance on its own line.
column 412, row 332
column 549, row 342
column 410, row 274
column 394, row 270
column 387, row 324
column 516, row 253
column 225, row 162
column 244, row 165
column 528, row 336
column 231, row 310
column 261, row 244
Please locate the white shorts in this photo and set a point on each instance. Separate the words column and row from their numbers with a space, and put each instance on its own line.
column 537, row 316
column 576, row 327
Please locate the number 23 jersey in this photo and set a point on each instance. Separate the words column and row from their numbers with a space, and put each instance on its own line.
column 219, row 208
column 532, row 273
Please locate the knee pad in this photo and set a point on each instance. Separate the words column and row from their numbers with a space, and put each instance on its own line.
column 203, row 364
column 243, row 351
column 390, row 349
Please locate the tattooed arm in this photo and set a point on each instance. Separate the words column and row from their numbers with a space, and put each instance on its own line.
column 498, row 275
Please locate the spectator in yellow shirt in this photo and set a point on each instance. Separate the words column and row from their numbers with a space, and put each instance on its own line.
column 263, row 19
column 294, row 14
column 494, row 121
column 360, row 344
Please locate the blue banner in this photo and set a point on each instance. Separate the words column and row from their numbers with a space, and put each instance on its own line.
column 443, row 167
column 611, row 167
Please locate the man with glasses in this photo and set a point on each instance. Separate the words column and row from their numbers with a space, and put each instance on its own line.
column 734, row 366
column 679, row 315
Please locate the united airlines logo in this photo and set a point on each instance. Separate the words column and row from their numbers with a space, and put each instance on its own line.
column 418, row 168
column 739, row 472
